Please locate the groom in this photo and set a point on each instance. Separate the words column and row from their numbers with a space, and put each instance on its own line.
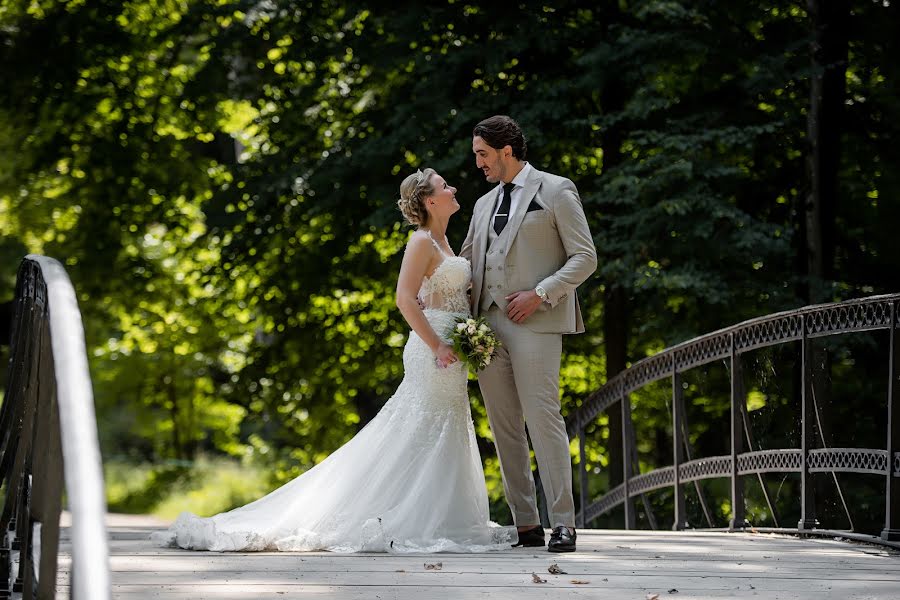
column 530, row 247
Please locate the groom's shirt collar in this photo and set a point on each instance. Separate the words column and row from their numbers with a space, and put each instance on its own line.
column 519, row 180
column 522, row 175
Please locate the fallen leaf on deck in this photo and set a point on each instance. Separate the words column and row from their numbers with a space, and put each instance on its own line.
column 555, row 570
column 400, row 571
column 579, row 581
column 434, row 567
column 536, row 579
column 673, row 591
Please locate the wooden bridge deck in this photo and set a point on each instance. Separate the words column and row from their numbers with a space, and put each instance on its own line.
column 609, row 565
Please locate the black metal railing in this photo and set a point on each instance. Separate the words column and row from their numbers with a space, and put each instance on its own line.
column 48, row 437
column 802, row 325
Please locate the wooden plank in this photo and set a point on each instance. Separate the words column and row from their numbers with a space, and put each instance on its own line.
column 339, row 593
column 534, row 592
column 199, row 580
column 774, row 567
column 615, row 565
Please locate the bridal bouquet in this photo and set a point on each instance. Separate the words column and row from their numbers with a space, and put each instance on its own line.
column 474, row 342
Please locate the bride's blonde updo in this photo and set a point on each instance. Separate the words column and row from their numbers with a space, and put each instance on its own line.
column 413, row 191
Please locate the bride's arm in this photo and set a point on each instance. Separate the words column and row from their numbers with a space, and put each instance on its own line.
column 416, row 260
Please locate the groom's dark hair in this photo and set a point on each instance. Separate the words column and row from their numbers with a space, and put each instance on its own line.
column 499, row 131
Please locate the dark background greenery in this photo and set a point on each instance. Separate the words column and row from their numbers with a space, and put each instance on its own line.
column 219, row 178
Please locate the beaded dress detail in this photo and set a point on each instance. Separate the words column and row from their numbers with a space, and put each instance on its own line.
column 410, row 481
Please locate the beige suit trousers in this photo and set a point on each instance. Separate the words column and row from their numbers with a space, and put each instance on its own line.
column 521, row 387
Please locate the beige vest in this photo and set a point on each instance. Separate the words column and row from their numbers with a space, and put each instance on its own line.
column 493, row 286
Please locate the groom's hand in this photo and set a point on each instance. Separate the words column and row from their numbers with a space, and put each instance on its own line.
column 522, row 305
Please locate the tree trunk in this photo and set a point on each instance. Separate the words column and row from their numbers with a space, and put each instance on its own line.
column 826, row 101
column 615, row 298
column 615, row 335
column 177, row 445
column 828, row 52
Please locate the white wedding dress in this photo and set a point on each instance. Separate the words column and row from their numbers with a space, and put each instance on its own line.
column 410, row 481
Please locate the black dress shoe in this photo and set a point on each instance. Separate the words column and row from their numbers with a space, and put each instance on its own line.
column 562, row 540
column 531, row 538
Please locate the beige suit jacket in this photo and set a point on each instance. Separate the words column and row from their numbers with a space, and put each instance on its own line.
column 551, row 247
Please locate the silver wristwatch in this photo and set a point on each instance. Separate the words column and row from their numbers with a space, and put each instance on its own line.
column 542, row 293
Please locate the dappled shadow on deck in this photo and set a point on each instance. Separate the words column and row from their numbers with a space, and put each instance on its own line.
column 609, row 564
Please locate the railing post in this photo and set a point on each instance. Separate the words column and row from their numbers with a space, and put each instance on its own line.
column 807, row 418
column 626, row 459
column 677, row 445
column 17, row 443
column 891, row 532
column 737, row 439
column 48, row 475
column 582, row 488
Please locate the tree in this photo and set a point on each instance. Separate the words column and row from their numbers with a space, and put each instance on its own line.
column 220, row 176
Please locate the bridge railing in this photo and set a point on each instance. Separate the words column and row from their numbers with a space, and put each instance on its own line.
column 48, row 436
column 730, row 345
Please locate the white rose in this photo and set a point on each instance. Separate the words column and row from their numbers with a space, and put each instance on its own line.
column 471, row 329
column 460, row 326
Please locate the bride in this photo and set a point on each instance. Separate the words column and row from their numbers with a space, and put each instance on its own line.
column 411, row 480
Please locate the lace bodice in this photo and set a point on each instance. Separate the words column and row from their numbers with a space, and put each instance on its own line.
column 446, row 288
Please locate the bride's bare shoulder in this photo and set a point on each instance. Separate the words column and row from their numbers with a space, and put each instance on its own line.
column 419, row 243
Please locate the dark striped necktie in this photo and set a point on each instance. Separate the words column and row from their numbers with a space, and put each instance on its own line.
column 502, row 216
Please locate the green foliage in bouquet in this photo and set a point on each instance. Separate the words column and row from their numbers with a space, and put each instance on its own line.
column 474, row 342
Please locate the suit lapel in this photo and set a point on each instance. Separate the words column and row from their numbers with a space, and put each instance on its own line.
column 528, row 194
column 484, row 221
column 479, row 244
